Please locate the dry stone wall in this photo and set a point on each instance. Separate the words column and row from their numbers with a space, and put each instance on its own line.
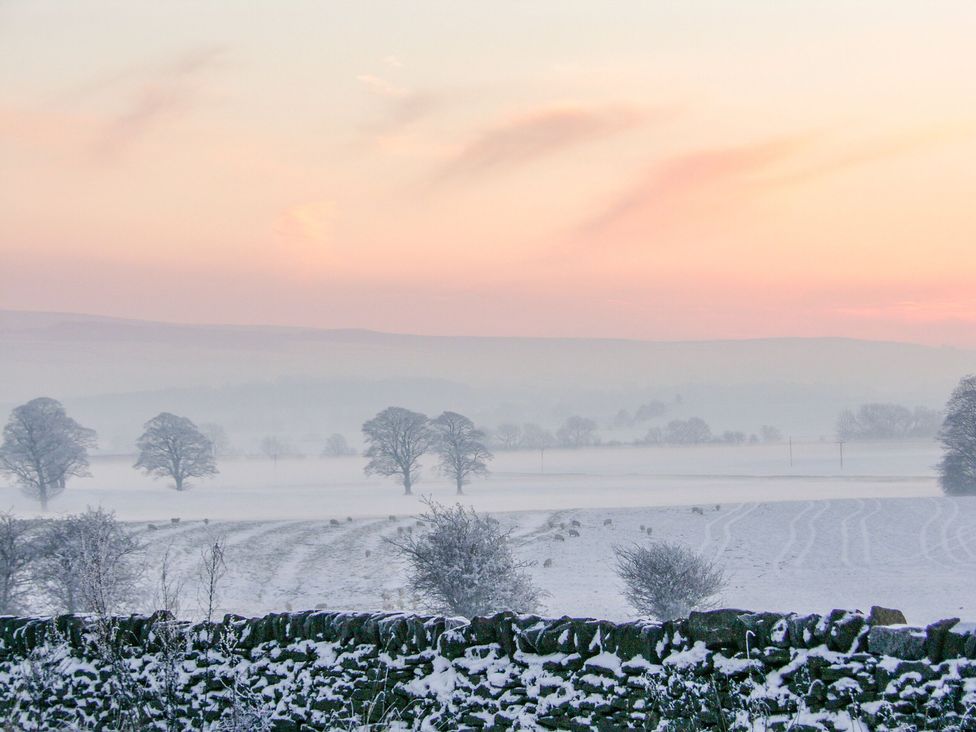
column 723, row 669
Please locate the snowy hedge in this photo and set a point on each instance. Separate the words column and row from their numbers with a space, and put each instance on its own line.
column 724, row 669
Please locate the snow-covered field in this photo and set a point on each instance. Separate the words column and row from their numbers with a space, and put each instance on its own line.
column 309, row 533
column 918, row 554
column 591, row 478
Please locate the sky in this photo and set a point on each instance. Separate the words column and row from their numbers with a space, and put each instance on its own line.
column 660, row 170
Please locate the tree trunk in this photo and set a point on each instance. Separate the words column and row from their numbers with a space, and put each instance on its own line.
column 406, row 485
column 460, row 482
column 179, row 482
column 42, row 493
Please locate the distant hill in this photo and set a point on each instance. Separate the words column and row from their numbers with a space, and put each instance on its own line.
column 120, row 370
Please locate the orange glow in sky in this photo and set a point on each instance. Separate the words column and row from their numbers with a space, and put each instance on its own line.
column 665, row 170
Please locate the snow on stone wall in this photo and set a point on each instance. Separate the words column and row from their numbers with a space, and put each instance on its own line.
column 723, row 669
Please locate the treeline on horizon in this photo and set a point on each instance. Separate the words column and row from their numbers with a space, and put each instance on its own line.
column 42, row 447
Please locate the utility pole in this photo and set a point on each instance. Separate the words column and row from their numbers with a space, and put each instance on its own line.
column 791, row 451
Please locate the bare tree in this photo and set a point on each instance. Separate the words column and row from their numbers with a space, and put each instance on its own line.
column 396, row 439
column 173, row 447
column 171, row 643
column 213, row 567
column 535, row 437
column 769, row 433
column 463, row 564
column 337, row 446
column 43, row 447
column 693, row 431
column 887, row 421
column 89, row 563
column 219, row 444
column 666, row 580
column 274, row 448
column 957, row 469
column 461, row 448
column 168, row 593
column 650, row 410
column 508, row 436
column 654, row 436
column 577, row 432
column 622, row 420
column 18, row 549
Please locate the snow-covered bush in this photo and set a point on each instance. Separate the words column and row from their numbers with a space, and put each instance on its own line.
column 18, row 551
column 89, row 564
column 667, row 580
column 463, row 564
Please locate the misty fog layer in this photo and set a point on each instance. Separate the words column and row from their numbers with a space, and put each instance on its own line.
column 303, row 385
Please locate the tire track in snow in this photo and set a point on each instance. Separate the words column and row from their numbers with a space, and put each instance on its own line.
column 951, row 556
column 254, row 555
column 792, row 535
column 963, row 537
column 340, row 568
column 256, row 531
column 723, row 517
column 923, row 533
column 727, row 528
column 800, row 558
column 301, row 560
column 845, row 539
column 957, row 544
column 965, row 532
column 866, row 532
column 169, row 530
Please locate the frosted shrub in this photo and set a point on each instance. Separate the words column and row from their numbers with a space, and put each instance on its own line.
column 463, row 564
column 89, row 564
column 667, row 580
column 18, row 551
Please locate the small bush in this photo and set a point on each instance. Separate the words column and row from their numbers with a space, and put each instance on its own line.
column 667, row 580
column 463, row 564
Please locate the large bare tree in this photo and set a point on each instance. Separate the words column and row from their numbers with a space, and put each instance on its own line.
column 396, row 438
column 173, row 447
column 577, row 432
column 461, row 448
column 43, row 447
column 957, row 470
column 508, row 436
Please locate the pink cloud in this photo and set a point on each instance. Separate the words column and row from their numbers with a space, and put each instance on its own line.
column 535, row 135
column 165, row 93
column 667, row 189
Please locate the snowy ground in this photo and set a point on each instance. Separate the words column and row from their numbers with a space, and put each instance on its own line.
column 916, row 554
column 806, row 538
column 591, row 478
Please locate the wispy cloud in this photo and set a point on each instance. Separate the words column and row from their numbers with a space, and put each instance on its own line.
column 535, row 135
column 165, row 92
column 677, row 190
column 875, row 150
column 382, row 87
column 402, row 105
column 668, row 187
